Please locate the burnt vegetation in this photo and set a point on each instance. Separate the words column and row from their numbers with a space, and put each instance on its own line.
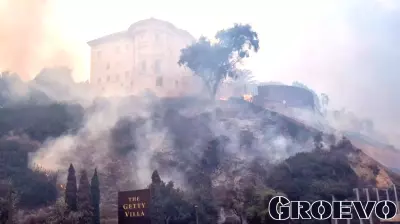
column 243, row 192
column 230, row 164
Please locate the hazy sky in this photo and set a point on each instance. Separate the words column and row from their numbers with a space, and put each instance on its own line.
column 346, row 48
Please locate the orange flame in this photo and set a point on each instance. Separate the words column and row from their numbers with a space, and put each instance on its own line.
column 248, row 97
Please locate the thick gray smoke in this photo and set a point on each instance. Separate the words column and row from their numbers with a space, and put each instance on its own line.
column 159, row 133
column 347, row 49
column 351, row 56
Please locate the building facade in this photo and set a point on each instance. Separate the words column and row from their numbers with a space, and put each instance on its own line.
column 144, row 57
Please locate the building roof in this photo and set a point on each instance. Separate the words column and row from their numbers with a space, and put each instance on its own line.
column 161, row 22
column 106, row 38
column 137, row 25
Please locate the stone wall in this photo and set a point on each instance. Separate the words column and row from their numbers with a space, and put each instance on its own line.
column 284, row 96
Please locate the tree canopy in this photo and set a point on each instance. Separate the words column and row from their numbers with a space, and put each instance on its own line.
column 215, row 61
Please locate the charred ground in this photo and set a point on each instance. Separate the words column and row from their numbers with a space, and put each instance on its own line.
column 232, row 156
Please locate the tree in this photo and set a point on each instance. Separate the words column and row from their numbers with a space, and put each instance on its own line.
column 8, row 201
column 95, row 193
column 200, row 180
column 214, row 62
column 232, row 198
column 315, row 175
column 155, row 177
column 84, row 199
column 59, row 213
column 71, row 189
column 256, row 202
column 168, row 205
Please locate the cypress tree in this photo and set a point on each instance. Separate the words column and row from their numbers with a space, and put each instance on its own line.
column 95, row 192
column 84, row 199
column 156, row 206
column 155, row 178
column 71, row 189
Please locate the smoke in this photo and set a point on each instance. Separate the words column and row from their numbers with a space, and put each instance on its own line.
column 351, row 58
column 165, row 134
column 30, row 38
column 347, row 49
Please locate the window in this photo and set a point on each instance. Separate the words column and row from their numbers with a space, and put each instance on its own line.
column 157, row 66
column 127, row 47
column 99, row 80
column 108, row 78
column 99, row 54
column 117, row 49
column 176, row 83
column 131, row 83
column 117, row 77
column 143, row 65
column 108, row 66
column 159, row 81
column 157, row 37
column 126, row 74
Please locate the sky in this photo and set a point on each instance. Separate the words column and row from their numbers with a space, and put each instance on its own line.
column 345, row 48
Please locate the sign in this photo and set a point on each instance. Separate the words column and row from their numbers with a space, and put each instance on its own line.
column 281, row 208
column 133, row 207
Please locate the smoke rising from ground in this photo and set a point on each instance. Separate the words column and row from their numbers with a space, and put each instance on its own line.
column 350, row 58
column 30, row 38
column 157, row 134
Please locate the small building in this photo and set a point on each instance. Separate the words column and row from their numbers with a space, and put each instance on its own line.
column 283, row 96
column 143, row 57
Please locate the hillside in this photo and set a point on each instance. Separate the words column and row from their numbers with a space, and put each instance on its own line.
column 229, row 148
column 383, row 153
column 386, row 154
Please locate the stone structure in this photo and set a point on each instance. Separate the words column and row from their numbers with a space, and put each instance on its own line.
column 143, row 57
column 233, row 88
column 282, row 96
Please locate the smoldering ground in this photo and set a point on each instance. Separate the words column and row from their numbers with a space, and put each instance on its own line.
column 136, row 135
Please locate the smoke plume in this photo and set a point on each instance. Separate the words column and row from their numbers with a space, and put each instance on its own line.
column 347, row 49
column 29, row 38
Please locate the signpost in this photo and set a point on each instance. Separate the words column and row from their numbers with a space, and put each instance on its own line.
column 133, row 207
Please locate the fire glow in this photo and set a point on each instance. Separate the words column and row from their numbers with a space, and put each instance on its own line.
column 248, row 97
